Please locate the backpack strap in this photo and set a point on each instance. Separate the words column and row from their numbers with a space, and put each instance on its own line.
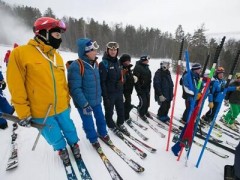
column 81, row 66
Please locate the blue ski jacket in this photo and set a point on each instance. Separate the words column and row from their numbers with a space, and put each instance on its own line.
column 84, row 89
column 216, row 89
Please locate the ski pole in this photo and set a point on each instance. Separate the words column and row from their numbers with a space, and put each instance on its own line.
column 175, row 93
column 198, row 109
column 39, row 133
column 16, row 120
column 219, row 106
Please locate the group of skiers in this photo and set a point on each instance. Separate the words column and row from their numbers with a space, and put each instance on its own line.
column 214, row 94
column 37, row 84
column 41, row 94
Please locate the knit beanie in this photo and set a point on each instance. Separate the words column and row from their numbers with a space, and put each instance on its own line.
column 196, row 66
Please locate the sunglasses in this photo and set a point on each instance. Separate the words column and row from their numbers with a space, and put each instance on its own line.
column 112, row 45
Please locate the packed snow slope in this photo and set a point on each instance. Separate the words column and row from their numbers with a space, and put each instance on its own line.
column 45, row 164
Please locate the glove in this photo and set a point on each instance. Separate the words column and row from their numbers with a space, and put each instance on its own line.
column 226, row 102
column 135, row 79
column 199, row 95
column 106, row 103
column 87, row 110
column 238, row 88
column 25, row 122
column 210, row 105
column 3, row 85
column 162, row 98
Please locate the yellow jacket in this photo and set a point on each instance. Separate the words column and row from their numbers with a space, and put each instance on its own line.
column 34, row 82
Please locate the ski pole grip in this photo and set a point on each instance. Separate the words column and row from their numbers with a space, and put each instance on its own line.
column 16, row 120
column 181, row 50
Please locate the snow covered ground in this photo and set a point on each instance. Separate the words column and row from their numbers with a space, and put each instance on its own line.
column 44, row 163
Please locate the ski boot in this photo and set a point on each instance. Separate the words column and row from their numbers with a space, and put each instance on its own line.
column 149, row 115
column 63, row 153
column 123, row 129
column 76, row 151
column 107, row 139
column 117, row 132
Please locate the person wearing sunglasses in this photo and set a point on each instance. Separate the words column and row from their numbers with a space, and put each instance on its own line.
column 85, row 90
column 38, row 86
column 112, row 88
column 233, row 98
column 143, row 86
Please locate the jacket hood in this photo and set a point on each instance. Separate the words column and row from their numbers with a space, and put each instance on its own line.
column 81, row 44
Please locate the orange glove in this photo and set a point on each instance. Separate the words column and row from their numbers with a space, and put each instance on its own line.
column 210, row 105
column 199, row 95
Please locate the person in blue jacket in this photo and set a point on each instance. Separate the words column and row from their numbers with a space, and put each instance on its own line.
column 215, row 95
column 188, row 91
column 163, row 88
column 85, row 90
column 5, row 107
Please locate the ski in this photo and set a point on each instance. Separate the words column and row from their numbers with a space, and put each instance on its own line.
column 70, row 172
column 112, row 171
column 223, row 130
column 212, row 150
column 135, row 166
column 147, row 147
column 129, row 123
column 152, row 127
column 139, row 125
column 13, row 159
column 82, row 169
column 137, row 150
column 231, row 144
column 176, row 138
column 202, row 133
column 235, row 130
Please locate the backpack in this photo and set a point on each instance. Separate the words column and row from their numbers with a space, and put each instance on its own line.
column 80, row 63
column 181, row 79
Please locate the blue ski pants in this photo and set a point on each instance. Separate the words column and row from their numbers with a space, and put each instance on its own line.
column 88, row 123
column 59, row 129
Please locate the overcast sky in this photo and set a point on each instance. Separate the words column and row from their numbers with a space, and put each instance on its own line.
column 219, row 16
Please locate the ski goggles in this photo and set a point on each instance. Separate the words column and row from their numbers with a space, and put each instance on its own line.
column 145, row 58
column 90, row 46
column 220, row 70
column 57, row 24
column 112, row 45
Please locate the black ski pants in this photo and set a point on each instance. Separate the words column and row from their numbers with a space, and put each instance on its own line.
column 127, row 105
column 144, row 103
column 164, row 108
column 115, row 100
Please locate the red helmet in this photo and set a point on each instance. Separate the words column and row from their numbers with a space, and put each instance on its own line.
column 48, row 23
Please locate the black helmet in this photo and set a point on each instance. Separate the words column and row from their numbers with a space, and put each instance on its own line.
column 124, row 58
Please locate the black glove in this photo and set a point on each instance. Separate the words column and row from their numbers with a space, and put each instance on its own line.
column 25, row 122
column 106, row 103
column 3, row 85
